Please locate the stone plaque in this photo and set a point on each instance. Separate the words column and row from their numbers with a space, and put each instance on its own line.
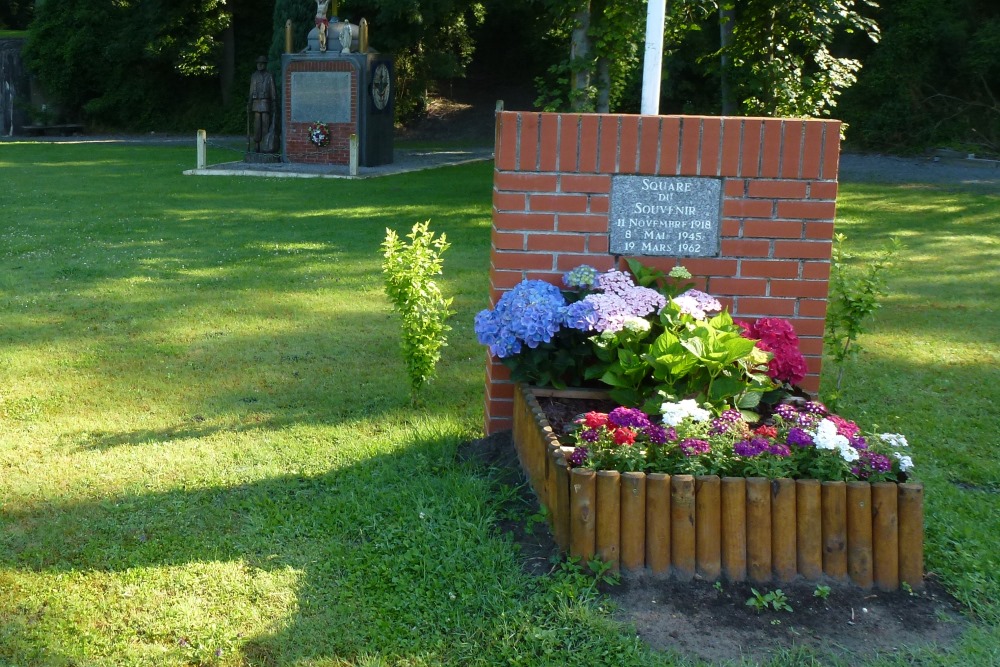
column 674, row 216
column 321, row 96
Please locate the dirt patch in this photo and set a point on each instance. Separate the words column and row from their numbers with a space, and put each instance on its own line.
column 714, row 623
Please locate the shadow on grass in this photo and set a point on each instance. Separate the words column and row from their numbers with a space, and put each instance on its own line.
column 381, row 548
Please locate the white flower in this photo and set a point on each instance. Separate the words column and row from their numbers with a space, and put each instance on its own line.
column 689, row 305
column 894, row 439
column 636, row 324
column 849, row 454
column 905, row 462
column 826, row 436
column 675, row 413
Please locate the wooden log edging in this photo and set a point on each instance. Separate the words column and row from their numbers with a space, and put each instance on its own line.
column 870, row 535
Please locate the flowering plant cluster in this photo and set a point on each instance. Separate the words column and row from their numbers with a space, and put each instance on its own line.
column 803, row 441
column 647, row 344
column 319, row 134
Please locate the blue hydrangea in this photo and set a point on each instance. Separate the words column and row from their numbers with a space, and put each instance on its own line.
column 583, row 276
column 528, row 315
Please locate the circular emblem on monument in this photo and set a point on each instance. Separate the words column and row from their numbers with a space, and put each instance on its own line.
column 381, row 87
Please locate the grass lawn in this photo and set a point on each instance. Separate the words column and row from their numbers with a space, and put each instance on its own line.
column 208, row 453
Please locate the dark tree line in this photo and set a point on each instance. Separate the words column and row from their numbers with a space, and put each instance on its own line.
column 905, row 74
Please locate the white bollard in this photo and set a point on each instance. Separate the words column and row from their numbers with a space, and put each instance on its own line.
column 354, row 155
column 202, row 141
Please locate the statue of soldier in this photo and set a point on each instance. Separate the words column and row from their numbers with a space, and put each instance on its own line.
column 260, row 107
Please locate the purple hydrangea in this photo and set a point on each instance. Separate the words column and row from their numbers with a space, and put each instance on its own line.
column 640, row 301
column 706, row 302
column 529, row 314
column 582, row 315
column 608, row 313
column 629, row 417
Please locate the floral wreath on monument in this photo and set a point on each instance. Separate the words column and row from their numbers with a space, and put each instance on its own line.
column 319, row 134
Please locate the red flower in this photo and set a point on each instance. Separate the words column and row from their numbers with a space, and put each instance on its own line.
column 766, row 431
column 777, row 336
column 623, row 436
column 595, row 419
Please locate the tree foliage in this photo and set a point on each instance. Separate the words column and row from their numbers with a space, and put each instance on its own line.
column 15, row 14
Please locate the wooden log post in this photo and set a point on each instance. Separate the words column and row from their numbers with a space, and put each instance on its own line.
column 758, row 529
column 560, row 511
column 911, row 535
column 658, row 522
column 583, row 522
column 682, row 531
column 885, row 536
column 633, row 520
column 734, row 528
column 834, row 503
column 708, row 539
column 808, row 529
column 608, row 518
column 859, row 533
column 784, row 551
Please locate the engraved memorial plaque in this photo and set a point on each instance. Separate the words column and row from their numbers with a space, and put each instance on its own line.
column 673, row 216
column 321, row 96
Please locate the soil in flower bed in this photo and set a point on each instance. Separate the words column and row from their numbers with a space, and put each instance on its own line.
column 714, row 623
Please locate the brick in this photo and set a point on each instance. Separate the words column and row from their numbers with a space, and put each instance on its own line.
column 558, row 203
column 810, row 383
column 509, row 201
column 807, row 210
column 732, row 136
column 628, row 145
column 505, row 280
column 823, row 190
column 553, row 276
column 501, row 391
column 819, row 230
column 507, row 141
column 708, row 266
column 525, row 182
column 747, row 208
column 812, row 150
column 737, row 286
column 507, row 240
column 814, row 365
column 817, row 270
column 711, row 132
column 735, row 187
column 690, row 145
column 670, row 142
column 649, row 144
column 570, row 262
column 496, row 371
column 569, row 142
column 557, row 242
column 802, row 249
column 745, row 248
column 791, row 149
column 589, row 142
column 811, row 346
column 569, row 222
column 808, row 327
column 597, row 243
column 813, row 307
column 588, row 184
column 730, row 228
column 771, row 148
column 548, row 156
column 608, row 160
column 772, row 229
column 750, row 268
column 528, row 155
column 750, row 160
column 777, row 189
column 530, row 221
column 507, row 261
column 831, row 150
column 599, row 204
column 765, row 307
column 799, row 288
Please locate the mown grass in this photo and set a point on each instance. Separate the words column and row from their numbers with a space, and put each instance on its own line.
column 208, row 453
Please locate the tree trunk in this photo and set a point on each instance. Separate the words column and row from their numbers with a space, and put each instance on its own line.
column 727, row 18
column 603, row 85
column 579, row 55
column 227, row 69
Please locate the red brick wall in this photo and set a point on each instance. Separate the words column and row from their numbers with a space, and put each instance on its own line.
column 298, row 148
column 551, row 190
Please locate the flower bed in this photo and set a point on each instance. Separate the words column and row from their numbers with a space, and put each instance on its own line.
column 711, row 527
